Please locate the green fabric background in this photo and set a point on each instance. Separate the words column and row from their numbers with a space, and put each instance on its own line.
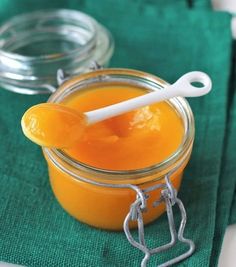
column 165, row 39
column 227, row 180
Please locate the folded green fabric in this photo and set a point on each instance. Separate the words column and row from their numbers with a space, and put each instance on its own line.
column 118, row 8
column 232, row 139
column 200, row 3
column 229, row 157
column 232, row 218
column 227, row 182
column 34, row 230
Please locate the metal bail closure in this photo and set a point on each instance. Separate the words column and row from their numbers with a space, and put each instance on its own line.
column 62, row 76
column 169, row 197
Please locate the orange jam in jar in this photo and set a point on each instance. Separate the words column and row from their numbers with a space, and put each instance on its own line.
column 137, row 148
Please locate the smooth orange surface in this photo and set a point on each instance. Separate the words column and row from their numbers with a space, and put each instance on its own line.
column 135, row 140
column 131, row 141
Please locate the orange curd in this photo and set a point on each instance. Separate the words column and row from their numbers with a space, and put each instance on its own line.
column 139, row 147
column 135, row 140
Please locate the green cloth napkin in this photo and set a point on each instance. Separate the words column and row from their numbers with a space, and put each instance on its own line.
column 232, row 138
column 200, row 3
column 232, row 218
column 227, row 182
column 162, row 39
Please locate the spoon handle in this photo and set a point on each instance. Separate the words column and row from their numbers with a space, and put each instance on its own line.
column 182, row 87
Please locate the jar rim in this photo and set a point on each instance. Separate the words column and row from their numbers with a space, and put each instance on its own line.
column 170, row 163
column 79, row 39
column 56, row 13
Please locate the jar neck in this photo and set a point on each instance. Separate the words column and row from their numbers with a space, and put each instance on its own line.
column 141, row 79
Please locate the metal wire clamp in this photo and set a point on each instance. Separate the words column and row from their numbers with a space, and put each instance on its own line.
column 169, row 197
column 62, row 76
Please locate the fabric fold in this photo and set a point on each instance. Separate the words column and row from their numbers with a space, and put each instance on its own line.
column 227, row 179
column 232, row 142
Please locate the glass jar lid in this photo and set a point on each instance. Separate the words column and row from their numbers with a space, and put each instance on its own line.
column 34, row 46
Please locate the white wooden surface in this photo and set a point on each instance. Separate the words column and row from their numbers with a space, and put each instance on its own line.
column 228, row 252
column 227, row 5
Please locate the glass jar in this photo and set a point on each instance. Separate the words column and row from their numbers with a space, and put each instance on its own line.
column 102, row 198
column 34, row 46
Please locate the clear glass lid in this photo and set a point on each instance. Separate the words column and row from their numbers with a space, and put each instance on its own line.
column 34, row 46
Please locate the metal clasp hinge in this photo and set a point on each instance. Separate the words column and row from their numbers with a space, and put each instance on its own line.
column 169, row 197
column 62, row 76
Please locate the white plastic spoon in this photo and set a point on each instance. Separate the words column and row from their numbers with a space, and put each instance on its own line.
column 182, row 87
column 48, row 124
